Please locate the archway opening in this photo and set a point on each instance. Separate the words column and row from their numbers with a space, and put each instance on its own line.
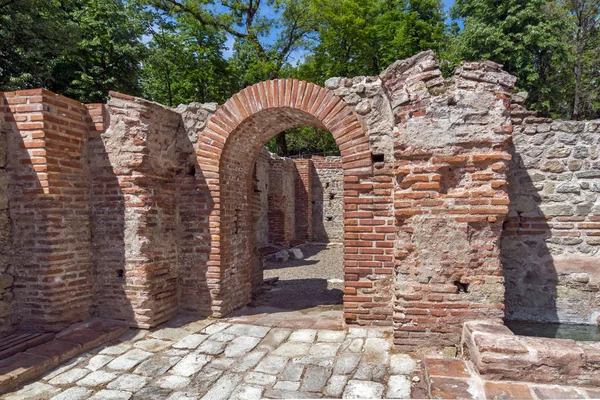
column 297, row 206
column 232, row 141
column 240, row 242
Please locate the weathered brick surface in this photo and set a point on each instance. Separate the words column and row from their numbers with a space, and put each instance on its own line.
column 260, row 205
column 303, row 199
column 450, row 197
column 134, row 212
column 49, row 207
column 194, row 205
column 282, row 201
column 158, row 200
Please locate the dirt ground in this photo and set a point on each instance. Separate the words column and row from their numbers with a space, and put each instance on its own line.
column 316, row 280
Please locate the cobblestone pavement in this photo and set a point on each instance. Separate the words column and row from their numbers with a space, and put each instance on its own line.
column 224, row 359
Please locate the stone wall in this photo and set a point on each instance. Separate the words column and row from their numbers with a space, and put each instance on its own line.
column 327, row 200
column 551, row 242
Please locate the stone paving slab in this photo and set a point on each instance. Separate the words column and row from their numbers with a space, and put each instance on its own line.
column 227, row 359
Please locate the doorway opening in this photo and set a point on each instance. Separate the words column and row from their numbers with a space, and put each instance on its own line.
column 298, row 206
column 232, row 140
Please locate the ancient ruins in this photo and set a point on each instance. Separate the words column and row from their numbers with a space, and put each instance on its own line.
column 454, row 203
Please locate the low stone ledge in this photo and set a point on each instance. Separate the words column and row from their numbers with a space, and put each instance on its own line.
column 34, row 362
column 499, row 354
column 457, row 379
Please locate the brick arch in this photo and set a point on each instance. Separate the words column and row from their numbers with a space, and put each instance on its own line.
column 227, row 151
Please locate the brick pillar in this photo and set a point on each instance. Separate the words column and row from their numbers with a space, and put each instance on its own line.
column 303, row 189
column 49, row 207
column 137, row 269
column 450, row 197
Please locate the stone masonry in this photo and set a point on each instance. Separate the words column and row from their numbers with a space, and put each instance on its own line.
column 327, row 199
column 219, row 360
column 456, row 203
column 551, row 240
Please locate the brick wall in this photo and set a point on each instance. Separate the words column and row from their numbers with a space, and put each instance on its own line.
column 551, row 241
column 6, row 268
column 136, row 194
column 282, row 201
column 369, row 230
column 317, row 197
column 49, row 208
column 450, row 197
column 107, row 227
column 327, row 199
column 281, row 207
column 194, row 206
column 302, row 199
column 261, row 198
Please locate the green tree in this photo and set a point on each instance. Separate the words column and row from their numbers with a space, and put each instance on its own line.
column 590, row 83
column 108, row 52
column 305, row 140
column 252, row 26
column 362, row 37
column 185, row 62
column 33, row 36
column 527, row 37
column 79, row 48
column 584, row 16
column 408, row 27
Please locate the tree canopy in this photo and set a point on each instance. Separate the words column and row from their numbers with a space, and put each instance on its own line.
column 179, row 51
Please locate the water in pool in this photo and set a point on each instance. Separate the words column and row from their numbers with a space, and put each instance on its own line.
column 578, row 333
